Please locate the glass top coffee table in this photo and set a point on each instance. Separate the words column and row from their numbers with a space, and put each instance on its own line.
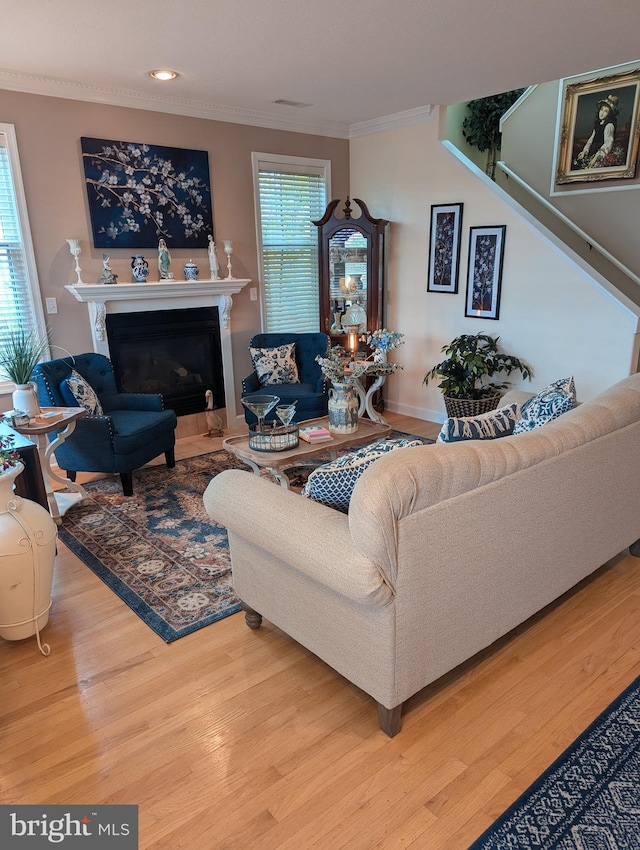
column 277, row 462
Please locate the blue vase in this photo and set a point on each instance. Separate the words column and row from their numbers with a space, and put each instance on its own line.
column 139, row 268
column 191, row 271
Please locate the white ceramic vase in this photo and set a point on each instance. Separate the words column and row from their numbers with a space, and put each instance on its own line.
column 25, row 398
column 343, row 409
column 27, row 553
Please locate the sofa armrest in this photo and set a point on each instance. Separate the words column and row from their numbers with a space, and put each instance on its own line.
column 94, row 430
column 134, row 401
column 250, row 384
column 305, row 535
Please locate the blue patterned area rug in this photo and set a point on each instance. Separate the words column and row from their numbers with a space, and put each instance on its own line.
column 158, row 550
column 589, row 799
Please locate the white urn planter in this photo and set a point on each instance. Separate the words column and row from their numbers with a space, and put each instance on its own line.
column 27, row 552
column 25, row 398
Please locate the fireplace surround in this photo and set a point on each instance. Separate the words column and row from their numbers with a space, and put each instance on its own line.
column 104, row 300
column 173, row 352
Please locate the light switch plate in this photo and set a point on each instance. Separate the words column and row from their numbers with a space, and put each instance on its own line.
column 52, row 305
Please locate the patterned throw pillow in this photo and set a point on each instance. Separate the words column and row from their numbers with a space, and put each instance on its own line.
column 83, row 393
column 485, row 426
column 562, row 385
column 554, row 400
column 275, row 365
column 333, row 483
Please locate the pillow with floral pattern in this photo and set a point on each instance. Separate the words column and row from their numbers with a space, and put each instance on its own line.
column 275, row 365
column 83, row 393
column 555, row 399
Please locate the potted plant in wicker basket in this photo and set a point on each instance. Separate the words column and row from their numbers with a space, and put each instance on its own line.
column 470, row 360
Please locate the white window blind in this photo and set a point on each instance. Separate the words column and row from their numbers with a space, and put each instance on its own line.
column 290, row 196
column 20, row 306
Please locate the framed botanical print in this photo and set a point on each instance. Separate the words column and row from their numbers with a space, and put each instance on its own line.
column 444, row 247
column 484, row 275
column 600, row 129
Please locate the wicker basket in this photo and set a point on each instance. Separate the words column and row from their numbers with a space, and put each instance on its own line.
column 273, row 438
column 459, row 407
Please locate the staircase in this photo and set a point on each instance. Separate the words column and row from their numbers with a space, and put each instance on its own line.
column 594, row 225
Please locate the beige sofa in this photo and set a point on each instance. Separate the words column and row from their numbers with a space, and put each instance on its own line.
column 446, row 547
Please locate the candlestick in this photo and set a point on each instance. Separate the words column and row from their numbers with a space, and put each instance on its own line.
column 74, row 249
column 228, row 249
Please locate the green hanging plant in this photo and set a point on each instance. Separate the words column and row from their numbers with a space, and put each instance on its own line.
column 481, row 126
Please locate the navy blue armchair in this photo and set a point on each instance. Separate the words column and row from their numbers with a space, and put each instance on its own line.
column 132, row 429
column 312, row 393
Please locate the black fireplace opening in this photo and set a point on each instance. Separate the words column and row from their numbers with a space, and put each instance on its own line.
column 173, row 352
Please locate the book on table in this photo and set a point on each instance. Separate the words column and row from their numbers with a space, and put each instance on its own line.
column 314, row 433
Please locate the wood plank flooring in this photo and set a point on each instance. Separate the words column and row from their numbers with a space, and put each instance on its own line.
column 230, row 738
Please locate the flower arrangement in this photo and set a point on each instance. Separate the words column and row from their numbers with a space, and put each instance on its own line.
column 334, row 364
column 338, row 367
column 383, row 339
column 9, row 457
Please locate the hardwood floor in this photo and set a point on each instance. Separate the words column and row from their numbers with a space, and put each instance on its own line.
column 232, row 738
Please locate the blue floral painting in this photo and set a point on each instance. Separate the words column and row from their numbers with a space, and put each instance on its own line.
column 486, row 255
column 444, row 248
column 140, row 193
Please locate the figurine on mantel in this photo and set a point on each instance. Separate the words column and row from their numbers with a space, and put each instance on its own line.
column 214, row 265
column 139, row 268
column 164, row 261
column 214, row 422
column 107, row 275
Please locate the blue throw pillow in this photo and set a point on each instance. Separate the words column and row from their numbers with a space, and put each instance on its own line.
column 485, row 426
column 333, row 482
column 551, row 402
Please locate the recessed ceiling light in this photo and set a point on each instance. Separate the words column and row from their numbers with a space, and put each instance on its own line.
column 163, row 74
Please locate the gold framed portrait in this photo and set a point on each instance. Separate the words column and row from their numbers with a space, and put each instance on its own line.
column 600, row 132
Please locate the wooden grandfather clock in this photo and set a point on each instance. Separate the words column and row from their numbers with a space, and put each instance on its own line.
column 351, row 262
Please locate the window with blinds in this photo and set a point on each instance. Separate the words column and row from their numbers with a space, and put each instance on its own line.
column 290, row 194
column 19, row 295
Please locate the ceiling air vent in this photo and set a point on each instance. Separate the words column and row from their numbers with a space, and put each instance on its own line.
column 295, row 103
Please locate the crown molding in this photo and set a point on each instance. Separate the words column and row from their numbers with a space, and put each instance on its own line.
column 53, row 87
column 391, row 122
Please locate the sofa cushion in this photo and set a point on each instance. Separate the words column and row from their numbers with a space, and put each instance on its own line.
column 77, row 392
column 275, row 365
column 555, row 399
column 333, row 482
column 485, row 426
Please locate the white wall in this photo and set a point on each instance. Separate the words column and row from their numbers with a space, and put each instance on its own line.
column 551, row 314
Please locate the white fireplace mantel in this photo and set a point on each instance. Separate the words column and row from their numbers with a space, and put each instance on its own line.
column 102, row 299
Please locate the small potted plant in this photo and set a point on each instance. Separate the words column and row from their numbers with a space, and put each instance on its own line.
column 470, row 360
column 20, row 352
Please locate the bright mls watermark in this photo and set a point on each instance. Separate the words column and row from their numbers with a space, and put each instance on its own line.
column 37, row 827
